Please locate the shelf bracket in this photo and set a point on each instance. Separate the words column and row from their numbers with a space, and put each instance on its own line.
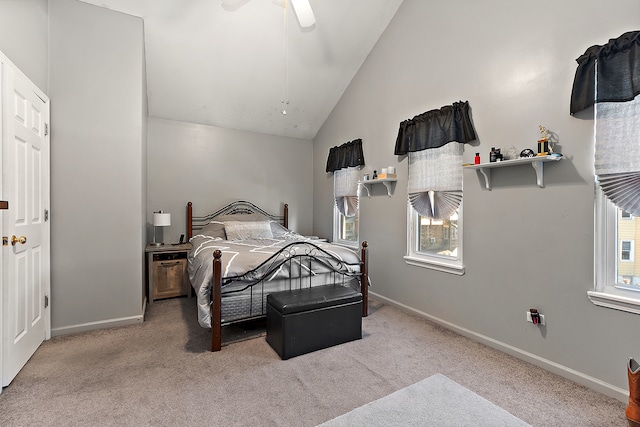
column 539, row 168
column 486, row 172
column 388, row 185
column 360, row 186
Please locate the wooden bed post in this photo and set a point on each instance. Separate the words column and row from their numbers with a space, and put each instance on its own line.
column 286, row 216
column 216, row 302
column 364, row 282
column 189, row 220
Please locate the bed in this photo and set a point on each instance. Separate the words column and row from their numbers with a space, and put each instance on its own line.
column 241, row 253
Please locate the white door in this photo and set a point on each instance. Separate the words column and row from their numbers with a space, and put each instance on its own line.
column 25, row 254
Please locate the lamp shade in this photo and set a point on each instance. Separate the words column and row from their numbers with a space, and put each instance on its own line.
column 161, row 219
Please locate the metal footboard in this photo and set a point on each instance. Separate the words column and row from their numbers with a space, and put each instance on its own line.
column 240, row 298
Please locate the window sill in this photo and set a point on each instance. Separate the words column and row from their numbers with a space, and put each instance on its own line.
column 445, row 267
column 617, row 302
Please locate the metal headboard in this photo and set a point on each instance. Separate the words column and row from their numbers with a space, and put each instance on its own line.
column 240, row 207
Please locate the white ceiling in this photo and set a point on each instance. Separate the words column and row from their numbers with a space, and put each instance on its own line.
column 221, row 62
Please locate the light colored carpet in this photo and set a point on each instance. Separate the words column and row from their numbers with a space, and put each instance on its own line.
column 436, row 401
column 160, row 373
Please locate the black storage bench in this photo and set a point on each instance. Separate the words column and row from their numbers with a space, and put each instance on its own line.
column 304, row 320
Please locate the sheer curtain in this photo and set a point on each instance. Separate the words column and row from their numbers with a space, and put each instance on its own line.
column 608, row 77
column 617, row 154
column 435, row 180
column 345, row 162
column 345, row 190
column 434, row 141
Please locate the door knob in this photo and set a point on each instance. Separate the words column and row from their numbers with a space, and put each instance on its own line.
column 22, row 240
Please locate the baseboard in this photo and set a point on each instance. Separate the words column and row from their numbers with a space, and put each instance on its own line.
column 101, row 324
column 566, row 372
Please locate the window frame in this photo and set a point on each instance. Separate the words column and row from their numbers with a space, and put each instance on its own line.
column 431, row 261
column 606, row 292
column 337, row 222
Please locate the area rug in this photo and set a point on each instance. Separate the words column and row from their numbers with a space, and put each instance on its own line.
column 435, row 401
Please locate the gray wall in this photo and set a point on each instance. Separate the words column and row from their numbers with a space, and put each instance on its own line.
column 143, row 168
column 97, row 173
column 213, row 166
column 24, row 29
column 523, row 246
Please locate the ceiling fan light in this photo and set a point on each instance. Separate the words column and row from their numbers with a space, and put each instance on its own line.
column 304, row 13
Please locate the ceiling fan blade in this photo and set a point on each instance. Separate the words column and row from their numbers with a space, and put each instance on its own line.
column 304, row 13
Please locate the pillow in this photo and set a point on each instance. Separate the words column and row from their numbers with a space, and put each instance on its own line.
column 213, row 229
column 240, row 230
column 278, row 229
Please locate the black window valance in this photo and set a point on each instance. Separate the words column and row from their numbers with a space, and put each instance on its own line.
column 436, row 128
column 618, row 73
column 346, row 155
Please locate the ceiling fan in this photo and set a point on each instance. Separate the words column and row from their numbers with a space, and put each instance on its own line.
column 302, row 9
column 306, row 18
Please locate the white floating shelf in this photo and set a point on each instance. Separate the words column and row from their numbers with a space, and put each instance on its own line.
column 389, row 183
column 536, row 162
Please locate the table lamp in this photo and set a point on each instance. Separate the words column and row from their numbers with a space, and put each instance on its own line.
column 160, row 219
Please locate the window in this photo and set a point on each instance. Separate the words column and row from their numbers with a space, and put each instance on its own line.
column 617, row 275
column 434, row 143
column 626, row 250
column 345, row 229
column 605, row 79
column 435, row 244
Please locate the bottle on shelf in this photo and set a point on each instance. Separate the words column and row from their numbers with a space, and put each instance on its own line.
column 477, row 159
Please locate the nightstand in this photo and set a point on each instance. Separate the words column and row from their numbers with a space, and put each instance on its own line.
column 167, row 271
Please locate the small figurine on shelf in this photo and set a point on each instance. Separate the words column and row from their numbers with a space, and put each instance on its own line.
column 375, row 174
column 544, row 147
column 495, row 155
column 527, row 152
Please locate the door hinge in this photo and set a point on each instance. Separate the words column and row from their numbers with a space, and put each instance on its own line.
column 5, row 240
column 46, row 214
column 46, row 129
column 46, row 301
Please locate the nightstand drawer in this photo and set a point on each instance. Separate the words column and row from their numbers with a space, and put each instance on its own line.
column 169, row 256
column 169, row 277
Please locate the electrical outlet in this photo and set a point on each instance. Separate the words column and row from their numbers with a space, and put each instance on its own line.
column 541, row 316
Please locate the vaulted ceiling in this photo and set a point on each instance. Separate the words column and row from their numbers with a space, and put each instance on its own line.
column 222, row 62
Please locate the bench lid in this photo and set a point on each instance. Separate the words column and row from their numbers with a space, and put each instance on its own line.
column 297, row 300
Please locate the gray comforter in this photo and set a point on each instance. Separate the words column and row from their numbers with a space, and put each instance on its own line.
column 242, row 256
